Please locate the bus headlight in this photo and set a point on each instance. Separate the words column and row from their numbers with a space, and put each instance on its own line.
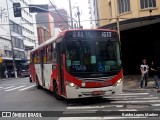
column 118, row 82
column 70, row 84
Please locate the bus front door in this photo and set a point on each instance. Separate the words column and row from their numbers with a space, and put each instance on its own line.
column 42, row 66
column 60, row 69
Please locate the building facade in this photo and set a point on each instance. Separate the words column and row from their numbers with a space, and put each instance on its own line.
column 43, row 34
column 60, row 21
column 125, row 10
column 93, row 11
column 16, row 30
column 138, row 22
column 45, row 27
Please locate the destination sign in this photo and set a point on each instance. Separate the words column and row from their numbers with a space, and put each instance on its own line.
column 92, row 34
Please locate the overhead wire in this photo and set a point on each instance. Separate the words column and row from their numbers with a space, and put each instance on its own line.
column 59, row 14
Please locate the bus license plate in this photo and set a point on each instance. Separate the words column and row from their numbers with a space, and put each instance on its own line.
column 97, row 92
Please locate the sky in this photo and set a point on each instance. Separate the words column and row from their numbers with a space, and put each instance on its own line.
column 83, row 7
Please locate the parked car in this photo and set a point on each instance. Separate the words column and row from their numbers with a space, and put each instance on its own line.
column 25, row 73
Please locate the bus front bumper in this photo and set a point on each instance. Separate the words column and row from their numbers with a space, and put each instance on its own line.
column 73, row 93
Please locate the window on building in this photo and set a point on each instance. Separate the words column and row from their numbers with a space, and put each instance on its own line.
column 123, row 6
column 13, row 41
column 148, row 4
column 15, row 28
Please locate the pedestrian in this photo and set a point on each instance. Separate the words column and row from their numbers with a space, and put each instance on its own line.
column 154, row 71
column 144, row 73
column 6, row 73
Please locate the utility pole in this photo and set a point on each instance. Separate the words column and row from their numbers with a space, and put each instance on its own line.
column 78, row 14
column 70, row 9
column 13, row 56
column 118, row 28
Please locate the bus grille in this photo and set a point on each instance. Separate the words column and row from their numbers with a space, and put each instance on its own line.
column 95, row 79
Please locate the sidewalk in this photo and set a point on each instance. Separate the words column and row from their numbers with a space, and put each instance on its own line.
column 132, row 83
column 1, row 79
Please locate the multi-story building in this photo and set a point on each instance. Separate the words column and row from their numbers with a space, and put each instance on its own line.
column 139, row 26
column 93, row 11
column 50, row 24
column 60, row 18
column 45, row 27
column 43, row 34
column 18, row 30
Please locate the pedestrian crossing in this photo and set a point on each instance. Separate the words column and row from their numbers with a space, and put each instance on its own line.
column 17, row 87
column 125, row 102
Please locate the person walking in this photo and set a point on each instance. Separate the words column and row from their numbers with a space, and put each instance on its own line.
column 144, row 73
column 154, row 71
column 6, row 73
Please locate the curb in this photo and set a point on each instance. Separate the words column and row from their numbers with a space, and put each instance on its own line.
column 3, row 79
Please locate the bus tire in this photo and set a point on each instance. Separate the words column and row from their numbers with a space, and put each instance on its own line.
column 30, row 79
column 55, row 91
column 37, row 83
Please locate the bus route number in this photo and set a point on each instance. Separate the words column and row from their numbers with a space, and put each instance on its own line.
column 106, row 34
column 78, row 34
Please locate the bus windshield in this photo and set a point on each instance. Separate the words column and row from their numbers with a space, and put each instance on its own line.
column 93, row 55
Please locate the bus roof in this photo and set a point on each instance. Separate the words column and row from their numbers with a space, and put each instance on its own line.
column 61, row 34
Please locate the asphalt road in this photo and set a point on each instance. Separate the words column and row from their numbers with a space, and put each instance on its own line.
column 21, row 95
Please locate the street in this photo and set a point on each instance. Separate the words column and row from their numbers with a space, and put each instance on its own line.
column 21, row 95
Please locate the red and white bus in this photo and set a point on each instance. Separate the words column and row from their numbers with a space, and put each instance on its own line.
column 78, row 64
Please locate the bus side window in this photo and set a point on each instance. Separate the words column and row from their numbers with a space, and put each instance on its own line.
column 54, row 52
column 38, row 57
column 45, row 54
column 33, row 57
column 49, row 54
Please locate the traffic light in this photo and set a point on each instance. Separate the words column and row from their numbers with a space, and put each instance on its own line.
column 17, row 9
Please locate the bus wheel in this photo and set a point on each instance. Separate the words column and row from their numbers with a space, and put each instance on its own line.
column 55, row 91
column 30, row 79
column 37, row 83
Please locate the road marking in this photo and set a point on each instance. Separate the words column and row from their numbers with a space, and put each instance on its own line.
column 14, row 88
column 92, row 107
column 135, row 101
column 128, row 110
column 27, row 88
column 146, row 98
column 132, row 94
column 155, row 105
column 96, row 118
column 120, row 96
column 16, row 83
column 8, row 87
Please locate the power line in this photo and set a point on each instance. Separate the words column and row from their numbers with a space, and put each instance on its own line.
column 70, row 21
column 20, row 36
column 59, row 13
